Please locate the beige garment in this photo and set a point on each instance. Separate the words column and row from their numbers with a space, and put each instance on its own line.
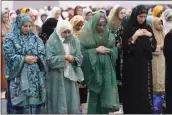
column 158, row 62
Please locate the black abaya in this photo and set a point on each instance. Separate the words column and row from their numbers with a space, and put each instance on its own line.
column 168, row 79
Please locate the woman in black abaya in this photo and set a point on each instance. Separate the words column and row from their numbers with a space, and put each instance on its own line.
column 138, row 44
column 168, row 79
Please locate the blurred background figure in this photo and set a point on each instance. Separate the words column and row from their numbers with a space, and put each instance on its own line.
column 12, row 15
column 157, row 11
column 77, row 23
column 87, row 14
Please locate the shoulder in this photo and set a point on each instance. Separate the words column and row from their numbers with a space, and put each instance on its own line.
column 11, row 36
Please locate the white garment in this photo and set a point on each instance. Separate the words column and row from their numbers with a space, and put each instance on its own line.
column 167, row 25
column 53, row 12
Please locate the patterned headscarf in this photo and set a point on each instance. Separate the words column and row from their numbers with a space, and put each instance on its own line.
column 74, row 21
column 15, row 31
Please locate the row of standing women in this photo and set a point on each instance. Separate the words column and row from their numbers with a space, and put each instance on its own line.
column 45, row 79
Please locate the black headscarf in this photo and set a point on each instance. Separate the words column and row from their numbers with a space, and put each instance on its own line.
column 48, row 28
column 132, row 23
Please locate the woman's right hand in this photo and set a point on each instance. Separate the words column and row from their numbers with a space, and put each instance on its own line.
column 103, row 50
column 138, row 33
column 31, row 59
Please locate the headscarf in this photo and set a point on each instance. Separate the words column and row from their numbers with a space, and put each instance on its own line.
column 157, row 28
column 86, row 11
column 65, row 15
column 167, row 25
column 17, row 25
column 76, row 8
column 90, row 31
column 53, row 12
column 74, row 21
column 13, row 16
column 23, row 10
column 102, row 11
column 38, row 23
column 5, row 26
column 33, row 12
column 47, row 29
column 115, row 21
column 62, row 26
column 157, row 10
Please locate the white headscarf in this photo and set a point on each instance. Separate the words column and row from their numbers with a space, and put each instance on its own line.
column 86, row 11
column 63, row 25
column 167, row 24
column 65, row 15
column 41, row 12
column 53, row 12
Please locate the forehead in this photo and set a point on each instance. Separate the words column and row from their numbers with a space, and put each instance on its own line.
column 143, row 14
column 123, row 10
column 66, row 31
column 102, row 19
column 80, row 23
column 27, row 23
column 5, row 14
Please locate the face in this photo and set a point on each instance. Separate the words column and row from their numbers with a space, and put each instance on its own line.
column 44, row 17
column 169, row 19
column 5, row 17
column 122, row 14
column 78, row 26
column 88, row 16
column 57, row 15
column 79, row 11
column 141, row 18
column 26, row 27
column 71, row 12
column 33, row 18
column 100, row 26
column 65, row 34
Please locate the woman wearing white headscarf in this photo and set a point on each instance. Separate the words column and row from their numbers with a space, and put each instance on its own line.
column 64, row 59
column 36, row 21
column 87, row 14
column 55, row 13
column 43, row 15
column 12, row 15
column 167, row 20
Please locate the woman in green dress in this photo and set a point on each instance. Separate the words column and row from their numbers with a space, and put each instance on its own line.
column 99, row 55
column 64, row 59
